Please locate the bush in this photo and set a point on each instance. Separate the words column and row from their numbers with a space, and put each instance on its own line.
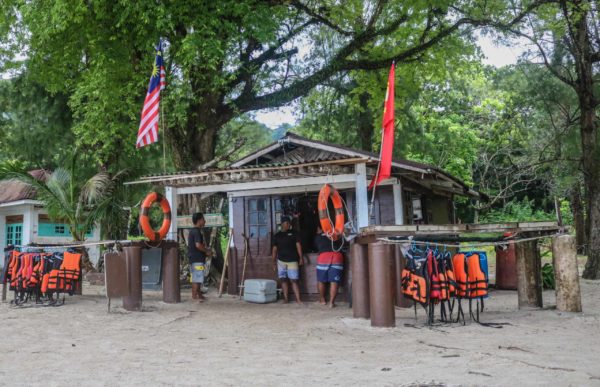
column 516, row 211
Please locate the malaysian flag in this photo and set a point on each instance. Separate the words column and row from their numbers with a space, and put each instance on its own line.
column 148, row 131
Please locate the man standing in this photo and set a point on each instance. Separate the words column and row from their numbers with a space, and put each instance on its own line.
column 287, row 258
column 330, row 265
column 197, row 253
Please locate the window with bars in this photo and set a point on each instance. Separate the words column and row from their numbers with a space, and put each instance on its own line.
column 257, row 213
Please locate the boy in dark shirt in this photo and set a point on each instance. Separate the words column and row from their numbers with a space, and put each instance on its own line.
column 287, row 258
column 197, row 253
column 330, row 266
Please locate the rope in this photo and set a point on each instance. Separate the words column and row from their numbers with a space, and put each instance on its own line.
column 101, row 243
column 458, row 244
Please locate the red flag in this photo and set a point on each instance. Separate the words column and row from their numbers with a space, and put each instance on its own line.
column 387, row 140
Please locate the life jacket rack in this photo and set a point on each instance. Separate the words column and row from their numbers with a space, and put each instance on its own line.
column 432, row 277
column 41, row 278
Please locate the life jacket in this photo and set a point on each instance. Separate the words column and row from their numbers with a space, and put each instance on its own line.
column 435, row 293
column 478, row 284
column 460, row 273
column 65, row 278
column 414, row 282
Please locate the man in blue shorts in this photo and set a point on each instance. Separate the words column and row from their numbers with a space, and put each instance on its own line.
column 287, row 258
column 330, row 266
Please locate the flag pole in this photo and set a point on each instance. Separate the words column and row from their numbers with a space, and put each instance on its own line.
column 162, row 119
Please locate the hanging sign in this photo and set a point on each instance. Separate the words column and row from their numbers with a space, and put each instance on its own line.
column 212, row 220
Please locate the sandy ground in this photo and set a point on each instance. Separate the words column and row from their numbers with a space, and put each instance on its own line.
column 229, row 342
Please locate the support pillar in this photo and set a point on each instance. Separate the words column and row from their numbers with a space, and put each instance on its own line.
column 170, row 273
column 171, row 195
column 380, row 285
column 360, row 281
column 566, row 273
column 362, row 198
column 529, row 276
column 133, row 263
column 398, row 203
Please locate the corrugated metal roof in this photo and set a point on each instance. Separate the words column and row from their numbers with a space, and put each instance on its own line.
column 13, row 190
column 274, row 164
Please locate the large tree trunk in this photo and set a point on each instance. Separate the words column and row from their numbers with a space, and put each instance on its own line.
column 578, row 218
column 584, row 85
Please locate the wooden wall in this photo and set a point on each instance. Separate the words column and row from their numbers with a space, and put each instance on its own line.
column 259, row 262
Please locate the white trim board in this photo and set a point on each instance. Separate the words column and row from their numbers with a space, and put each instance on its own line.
column 21, row 202
column 262, row 185
column 299, row 189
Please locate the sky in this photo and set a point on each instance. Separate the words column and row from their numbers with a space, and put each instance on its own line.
column 495, row 55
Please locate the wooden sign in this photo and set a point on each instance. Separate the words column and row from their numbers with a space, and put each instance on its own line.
column 212, row 220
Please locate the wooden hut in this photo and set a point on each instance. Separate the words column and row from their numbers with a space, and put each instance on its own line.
column 284, row 178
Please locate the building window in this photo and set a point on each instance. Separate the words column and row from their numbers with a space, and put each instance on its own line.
column 258, row 225
column 14, row 234
column 417, row 209
column 59, row 229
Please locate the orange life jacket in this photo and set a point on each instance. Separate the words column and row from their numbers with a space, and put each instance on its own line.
column 414, row 285
column 65, row 278
column 460, row 273
column 478, row 286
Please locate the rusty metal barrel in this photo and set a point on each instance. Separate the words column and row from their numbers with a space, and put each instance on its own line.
column 360, row 281
column 506, row 267
column 380, row 285
column 170, row 273
column 133, row 259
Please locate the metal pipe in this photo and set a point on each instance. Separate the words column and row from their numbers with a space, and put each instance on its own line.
column 380, row 285
column 360, row 281
column 170, row 273
column 133, row 260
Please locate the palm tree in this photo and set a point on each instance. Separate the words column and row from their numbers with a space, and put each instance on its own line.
column 80, row 203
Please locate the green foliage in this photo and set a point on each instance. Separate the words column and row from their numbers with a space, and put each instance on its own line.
column 73, row 198
column 516, row 211
column 548, row 281
column 243, row 130
column 35, row 126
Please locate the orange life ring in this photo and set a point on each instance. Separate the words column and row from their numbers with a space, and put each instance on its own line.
column 155, row 236
column 334, row 233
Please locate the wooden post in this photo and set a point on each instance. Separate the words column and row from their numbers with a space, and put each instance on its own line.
column 566, row 273
column 380, row 285
column 360, row 281
column 529, row 276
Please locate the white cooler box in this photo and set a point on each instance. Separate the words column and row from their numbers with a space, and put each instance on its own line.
column 260, row 291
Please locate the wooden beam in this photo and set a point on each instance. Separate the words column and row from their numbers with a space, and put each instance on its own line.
column 268, row 184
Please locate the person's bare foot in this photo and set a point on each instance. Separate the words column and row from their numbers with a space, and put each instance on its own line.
column 299, row 302
column 285, row 301
column 331, row 305
column 323, row 302
column 201, row 299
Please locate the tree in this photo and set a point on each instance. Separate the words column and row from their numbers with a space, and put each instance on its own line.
column 224, row 58
column 567, row 41
column 35, row 126
column 81, row 203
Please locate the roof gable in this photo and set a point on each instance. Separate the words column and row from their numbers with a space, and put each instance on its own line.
column 12, row 190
